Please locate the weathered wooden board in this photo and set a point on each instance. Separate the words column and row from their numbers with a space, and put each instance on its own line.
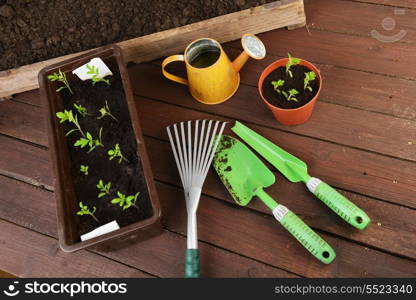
column 34, row 208
column 26, row 253
column 260, row 237
column 223, row 28
column 394, row 3
column 342, row 86
column 344, row 50
column 331, row 122
column 375, row 175
column 341, row 16
column 233, row 228
column 392, row 228
column 394, row 237
column 368, row 173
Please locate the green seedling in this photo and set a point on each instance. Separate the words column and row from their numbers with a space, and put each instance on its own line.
column 105, row 111
column 309, row 76
column 67, row 115
column 84, row 169
column 116, row 152
column 89, row 141
column 84, row 210
column 93, row 70
column 291, row 62
column 61, row 77
column 277, row 84
column 104, row 188
column 125, row 201
column 81, row 110
column 290, row 95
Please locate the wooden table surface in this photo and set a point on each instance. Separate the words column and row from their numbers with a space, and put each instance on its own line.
column 361, row 139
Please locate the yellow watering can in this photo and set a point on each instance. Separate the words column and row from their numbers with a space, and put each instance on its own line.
column 212, row 77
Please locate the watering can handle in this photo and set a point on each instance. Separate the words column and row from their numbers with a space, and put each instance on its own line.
column 172, row 77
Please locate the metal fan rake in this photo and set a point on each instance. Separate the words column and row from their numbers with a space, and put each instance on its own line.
column 194, row 144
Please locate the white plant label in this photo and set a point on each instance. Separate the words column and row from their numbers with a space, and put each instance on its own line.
column 109, row 227
column 97, row 62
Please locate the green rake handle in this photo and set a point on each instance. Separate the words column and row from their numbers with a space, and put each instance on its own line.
column 343, row 207
column 192, row 263
column 309, row 239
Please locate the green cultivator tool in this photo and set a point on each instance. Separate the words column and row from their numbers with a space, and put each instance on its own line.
column 245, row 176
column 296, row 170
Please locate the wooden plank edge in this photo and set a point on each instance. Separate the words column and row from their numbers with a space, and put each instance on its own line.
column 224, row 28
column 27, row 253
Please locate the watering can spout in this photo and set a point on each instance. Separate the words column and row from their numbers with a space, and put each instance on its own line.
column 253, row 47
column 240, row 61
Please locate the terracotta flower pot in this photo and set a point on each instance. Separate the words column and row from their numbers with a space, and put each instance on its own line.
column 293, row 116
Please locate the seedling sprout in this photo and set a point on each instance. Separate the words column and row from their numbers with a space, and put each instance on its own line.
column 81, row 110
column 116, row 152
column 105, row 111
column 309, row 76
column 89, row 141
column 125, row 201
column 84, row 210
column 104, row 188
column 93, row 70
column 61, row 77
column 277, row 84
column 84, row 169
column 290, row 95
column 291, row 62
column 67, row 115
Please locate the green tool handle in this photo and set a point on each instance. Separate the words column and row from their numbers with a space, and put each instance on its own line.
column 192, row 263
column 309, row 239
column 343, row 207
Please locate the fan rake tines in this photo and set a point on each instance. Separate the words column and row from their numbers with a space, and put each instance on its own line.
column 193, row 145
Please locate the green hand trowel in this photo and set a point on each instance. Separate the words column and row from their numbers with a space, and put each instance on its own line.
column 245, row 176
column 296, row 170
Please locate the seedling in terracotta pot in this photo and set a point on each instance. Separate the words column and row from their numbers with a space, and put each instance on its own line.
column 93, row 70
column 290, row 87
column 292, row 61
column 84, row 169
column 81, row 110
column 105, row 111
column 290, row 95
column 125, row 201
column 104, row 188
column 67, row 115
column 61, row 77
column 84, row 210
column 116, row 152
column 89, row 141
column 277, row 84
column 309, row 76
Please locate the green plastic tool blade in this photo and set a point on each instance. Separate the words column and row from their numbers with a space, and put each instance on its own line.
column 290, row 166
column 241, row 171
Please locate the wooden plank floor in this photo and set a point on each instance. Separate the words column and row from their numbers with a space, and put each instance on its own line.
column 361, row 139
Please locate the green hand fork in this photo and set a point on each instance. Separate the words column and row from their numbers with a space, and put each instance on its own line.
column 245, row 176
column 296, row 170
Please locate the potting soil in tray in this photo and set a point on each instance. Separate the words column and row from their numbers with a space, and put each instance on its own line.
column 126, row 177
column 296, row 82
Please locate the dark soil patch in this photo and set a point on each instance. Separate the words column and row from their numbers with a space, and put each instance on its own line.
column 126, row 177
column 32, row 31
column 296, row 82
